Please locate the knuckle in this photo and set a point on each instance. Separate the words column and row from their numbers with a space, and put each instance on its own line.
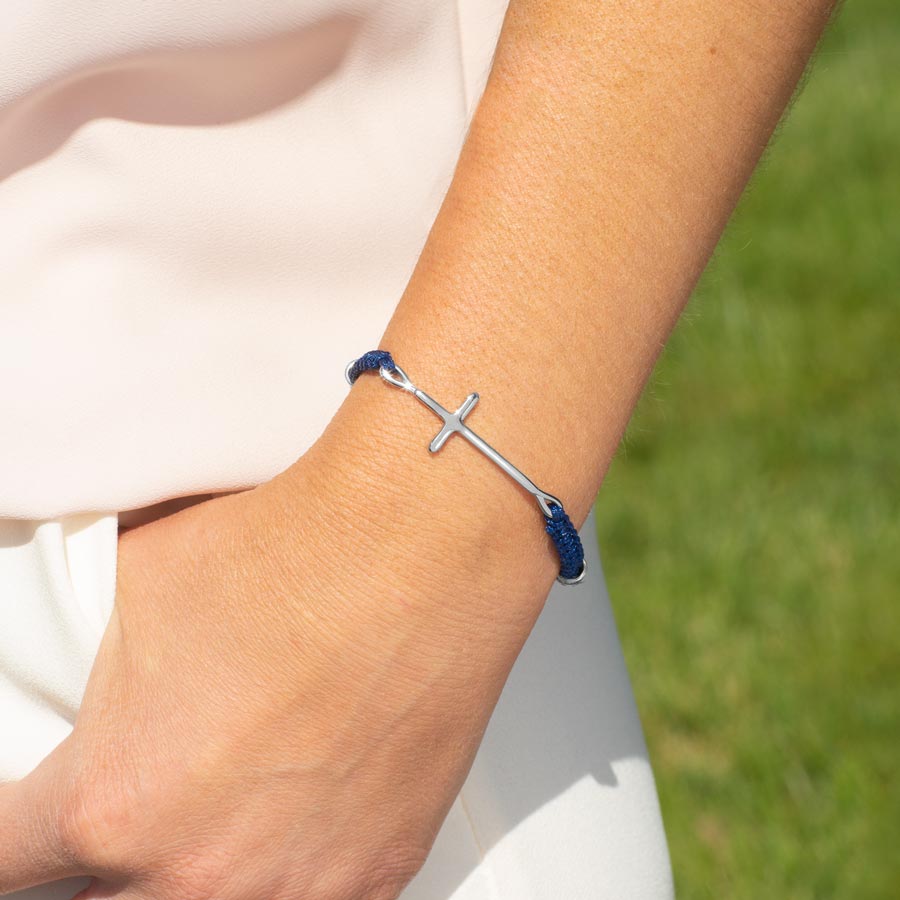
column 88, row 829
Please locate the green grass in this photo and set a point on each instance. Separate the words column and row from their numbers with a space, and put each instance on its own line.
column 750, row 525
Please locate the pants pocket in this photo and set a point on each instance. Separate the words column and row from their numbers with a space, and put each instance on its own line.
column 57, row 586
column 90, row 543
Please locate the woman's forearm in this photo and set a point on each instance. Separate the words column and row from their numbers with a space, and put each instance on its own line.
column 611, row 144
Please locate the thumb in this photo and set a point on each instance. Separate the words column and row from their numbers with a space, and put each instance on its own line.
column 38, row 820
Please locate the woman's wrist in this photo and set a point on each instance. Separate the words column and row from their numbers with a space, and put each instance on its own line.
column 450, row 517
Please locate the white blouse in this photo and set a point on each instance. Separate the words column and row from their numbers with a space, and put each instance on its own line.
column 207, row 209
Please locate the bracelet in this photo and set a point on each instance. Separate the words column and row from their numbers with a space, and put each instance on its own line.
column 558, row 525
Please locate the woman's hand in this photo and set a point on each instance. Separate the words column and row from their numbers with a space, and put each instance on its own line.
column 288, row 696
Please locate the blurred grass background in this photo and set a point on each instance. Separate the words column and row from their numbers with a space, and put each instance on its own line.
column 750, row 525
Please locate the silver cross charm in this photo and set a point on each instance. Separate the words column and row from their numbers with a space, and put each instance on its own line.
column 454, row 424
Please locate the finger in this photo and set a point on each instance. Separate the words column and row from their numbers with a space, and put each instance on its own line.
column 105, row 890
column 33, row 846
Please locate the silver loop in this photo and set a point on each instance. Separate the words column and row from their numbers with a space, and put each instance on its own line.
column 578, row 578
column 544, row 500
column 397, row 377
column 401, row 382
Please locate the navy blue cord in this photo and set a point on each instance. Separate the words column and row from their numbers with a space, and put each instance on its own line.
column 559, row 526
column 568, row 543
column 374, row 359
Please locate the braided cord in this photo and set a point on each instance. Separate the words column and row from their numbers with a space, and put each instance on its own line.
column 568, row 543
column 374, row 359
column 559, row 526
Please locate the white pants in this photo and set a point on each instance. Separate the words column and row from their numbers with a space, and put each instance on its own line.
column 560, row 803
